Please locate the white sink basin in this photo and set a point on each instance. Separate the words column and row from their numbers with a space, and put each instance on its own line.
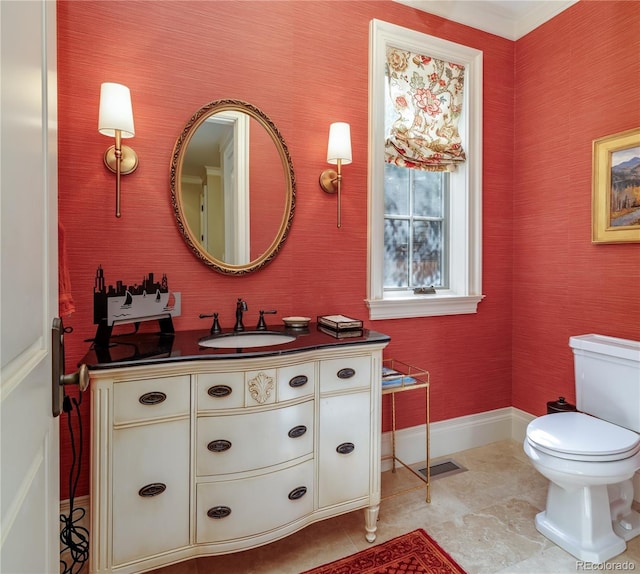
column 246, row 340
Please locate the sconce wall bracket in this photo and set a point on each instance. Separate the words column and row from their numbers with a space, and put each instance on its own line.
column 329, row 181
column 129, row 160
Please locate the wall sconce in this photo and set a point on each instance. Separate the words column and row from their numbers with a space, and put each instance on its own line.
column 116, row 120
column 338, row 153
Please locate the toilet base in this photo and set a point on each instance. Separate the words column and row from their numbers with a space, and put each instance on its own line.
column 604, row 550
column 628, row 526
column 579, row 521
column 626, row 522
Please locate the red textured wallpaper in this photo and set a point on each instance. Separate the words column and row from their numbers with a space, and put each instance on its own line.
column 304, row 63
column 578, row 79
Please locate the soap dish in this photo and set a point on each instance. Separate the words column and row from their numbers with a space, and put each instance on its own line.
column 296, row 322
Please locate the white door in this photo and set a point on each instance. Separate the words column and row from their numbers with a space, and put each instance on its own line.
column 29, row 464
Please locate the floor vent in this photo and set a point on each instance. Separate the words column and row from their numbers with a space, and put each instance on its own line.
column 441, row 469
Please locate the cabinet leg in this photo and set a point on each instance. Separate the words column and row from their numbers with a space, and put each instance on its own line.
column 371, row 522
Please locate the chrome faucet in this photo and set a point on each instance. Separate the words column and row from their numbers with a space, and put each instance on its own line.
column 241, row 307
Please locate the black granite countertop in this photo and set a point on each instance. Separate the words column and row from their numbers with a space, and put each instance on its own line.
column 152, row 348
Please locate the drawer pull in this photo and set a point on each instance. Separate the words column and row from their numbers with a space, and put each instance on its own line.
column 297, row 431
column 345, row 448
column 346, row 373
column 218, row 391
column 297, row 492
column 152, row 489
column 153, row 398
column 298, row 381
column 219, row 445
column 218, row 512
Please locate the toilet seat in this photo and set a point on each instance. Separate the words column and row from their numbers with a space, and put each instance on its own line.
column 581, row 437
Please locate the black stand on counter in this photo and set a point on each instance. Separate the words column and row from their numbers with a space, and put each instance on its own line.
column 103, row 333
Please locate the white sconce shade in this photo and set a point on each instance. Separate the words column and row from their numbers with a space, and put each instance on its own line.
column 115, row 111
column 339, row 147
column 339, row 154
column 115, row 119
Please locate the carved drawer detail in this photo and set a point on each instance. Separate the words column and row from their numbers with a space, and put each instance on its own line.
column 261, row 387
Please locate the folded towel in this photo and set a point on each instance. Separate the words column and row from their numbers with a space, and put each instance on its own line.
column 66, row 305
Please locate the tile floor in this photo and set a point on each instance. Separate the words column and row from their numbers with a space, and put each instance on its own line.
column 484, row 518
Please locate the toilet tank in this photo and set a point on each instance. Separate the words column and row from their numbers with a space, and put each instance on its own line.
column 607, row 373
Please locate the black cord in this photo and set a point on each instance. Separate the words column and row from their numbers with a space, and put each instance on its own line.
column 74, row 538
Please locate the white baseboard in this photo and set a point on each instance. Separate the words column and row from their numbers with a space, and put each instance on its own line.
column 519, row 421
column 454, row 435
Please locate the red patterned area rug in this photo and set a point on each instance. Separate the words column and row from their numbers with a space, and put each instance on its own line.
column 413, row 553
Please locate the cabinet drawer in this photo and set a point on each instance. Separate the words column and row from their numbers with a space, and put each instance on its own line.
column 149, row 399
column 242, row 442
column 237, row 508
column 345, row 449
column 345, row 374
column 150, row 489
column 220, row 391
column 296, row 381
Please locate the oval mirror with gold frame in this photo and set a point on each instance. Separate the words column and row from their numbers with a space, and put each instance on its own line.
column 232, row 187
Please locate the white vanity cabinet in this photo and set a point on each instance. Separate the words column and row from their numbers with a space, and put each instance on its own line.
column 201, row 457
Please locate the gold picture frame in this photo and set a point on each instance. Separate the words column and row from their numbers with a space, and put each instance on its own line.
column 616, row 188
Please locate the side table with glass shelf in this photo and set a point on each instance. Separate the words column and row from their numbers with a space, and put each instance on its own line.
column 398, row 377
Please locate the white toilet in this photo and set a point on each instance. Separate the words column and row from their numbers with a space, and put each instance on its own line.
column 591, row 456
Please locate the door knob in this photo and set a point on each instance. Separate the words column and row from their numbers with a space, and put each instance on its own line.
column 80, row 378
column 58, row 378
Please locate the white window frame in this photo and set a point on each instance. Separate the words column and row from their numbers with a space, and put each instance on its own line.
column 465, row 239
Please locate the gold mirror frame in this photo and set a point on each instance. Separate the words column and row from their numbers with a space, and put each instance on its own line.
column 177, row 160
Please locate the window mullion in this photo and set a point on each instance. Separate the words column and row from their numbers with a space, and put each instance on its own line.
column 411, row 191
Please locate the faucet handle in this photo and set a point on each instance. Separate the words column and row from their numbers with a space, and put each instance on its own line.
column 262, row 326
column 215, row 327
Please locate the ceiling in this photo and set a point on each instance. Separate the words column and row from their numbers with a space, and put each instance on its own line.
column 510, row 19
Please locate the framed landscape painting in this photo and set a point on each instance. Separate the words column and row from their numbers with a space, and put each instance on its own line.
column 616, row 188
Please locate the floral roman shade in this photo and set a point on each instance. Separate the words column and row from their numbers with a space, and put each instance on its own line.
column 425, row 97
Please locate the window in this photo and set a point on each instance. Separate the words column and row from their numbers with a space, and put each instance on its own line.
column 425, row 226
column 416, row 217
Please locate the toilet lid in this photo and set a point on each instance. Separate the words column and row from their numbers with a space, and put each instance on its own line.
column 581, row 436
